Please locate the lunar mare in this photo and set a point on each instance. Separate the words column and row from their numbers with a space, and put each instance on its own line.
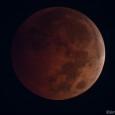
column 58, row 53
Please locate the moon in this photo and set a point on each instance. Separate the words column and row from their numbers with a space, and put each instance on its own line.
column 58, row 53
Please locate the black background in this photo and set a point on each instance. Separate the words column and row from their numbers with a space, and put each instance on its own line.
column 16, row 99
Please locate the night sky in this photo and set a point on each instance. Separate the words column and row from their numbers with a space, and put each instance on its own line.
column 16, row 99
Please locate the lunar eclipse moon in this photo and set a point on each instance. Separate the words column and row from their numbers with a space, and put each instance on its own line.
column 58, row 53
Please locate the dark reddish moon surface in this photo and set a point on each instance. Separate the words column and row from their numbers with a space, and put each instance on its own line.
column 58, row 53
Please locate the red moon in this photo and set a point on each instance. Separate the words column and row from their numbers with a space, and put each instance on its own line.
column 58, row 53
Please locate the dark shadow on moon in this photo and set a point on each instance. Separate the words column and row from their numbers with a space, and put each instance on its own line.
column 69, row 70
column 81, row 58
column 64, row 86
column 81, row 84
